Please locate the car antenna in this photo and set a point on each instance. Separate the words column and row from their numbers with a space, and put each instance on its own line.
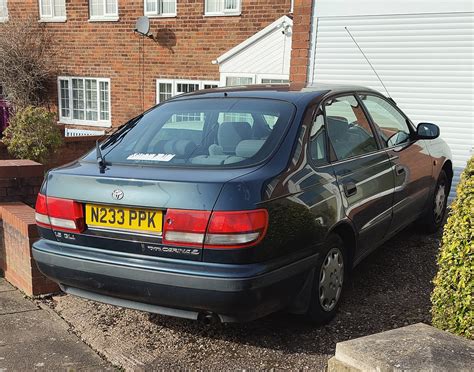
column 100, row 157
column 370, row 64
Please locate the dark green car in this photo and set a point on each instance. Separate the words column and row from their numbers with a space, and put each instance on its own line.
column 230, row 204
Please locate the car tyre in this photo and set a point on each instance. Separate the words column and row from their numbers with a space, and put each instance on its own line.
column 434, row 217
column 329, row 277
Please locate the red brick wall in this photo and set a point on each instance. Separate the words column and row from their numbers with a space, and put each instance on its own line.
column 20, row 180
column 72, row 149
column 301, row 41
column 110, row 49
column 16, row 261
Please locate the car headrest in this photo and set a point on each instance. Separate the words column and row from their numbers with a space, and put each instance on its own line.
column 231, row 133
column 337, row 126
column 182, row 148
column 248, row 148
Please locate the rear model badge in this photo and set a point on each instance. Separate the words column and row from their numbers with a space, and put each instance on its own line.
column 118, row 194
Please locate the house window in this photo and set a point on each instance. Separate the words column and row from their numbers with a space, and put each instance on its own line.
column 52, row 10
column 210, row 85
column 160, row 8
column 182, row 88
column 3, row 11
column 275, row 81
column 165, row 89
column 84, row 101
column 238, row 80
column 222, row 7
column 103, row 10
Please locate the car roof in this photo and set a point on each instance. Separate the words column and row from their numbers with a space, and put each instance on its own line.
column 288, row 92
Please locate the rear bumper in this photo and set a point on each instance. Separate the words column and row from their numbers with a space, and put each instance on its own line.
column 183, row 289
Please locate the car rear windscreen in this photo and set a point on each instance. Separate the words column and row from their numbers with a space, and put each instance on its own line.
column 205, row 132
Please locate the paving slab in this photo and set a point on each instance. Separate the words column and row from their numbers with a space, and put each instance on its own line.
column 14, row 302
column 60, row 354
column 31, row 326
column 415, row 347
column 34, row 338
column 5, row 286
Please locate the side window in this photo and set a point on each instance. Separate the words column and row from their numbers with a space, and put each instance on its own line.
column 317, row 144
column 392, row 125
column 349, row 130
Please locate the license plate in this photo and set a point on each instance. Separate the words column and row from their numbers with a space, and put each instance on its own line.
column 133, row 219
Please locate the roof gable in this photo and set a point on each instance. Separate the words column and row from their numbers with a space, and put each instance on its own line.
column 281, row 24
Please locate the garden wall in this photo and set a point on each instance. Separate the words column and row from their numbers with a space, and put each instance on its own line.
column 73, row 148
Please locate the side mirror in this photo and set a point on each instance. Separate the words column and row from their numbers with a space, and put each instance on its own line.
column 427, row 131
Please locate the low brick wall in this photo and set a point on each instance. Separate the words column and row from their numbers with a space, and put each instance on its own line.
column 73, row 148
column 20, row 180
column 16, row 261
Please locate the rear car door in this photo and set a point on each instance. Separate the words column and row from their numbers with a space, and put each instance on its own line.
column 412, row 165
column 363, row 170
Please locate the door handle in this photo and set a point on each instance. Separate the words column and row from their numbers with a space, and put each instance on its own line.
column 350, row 189
column 399, row 170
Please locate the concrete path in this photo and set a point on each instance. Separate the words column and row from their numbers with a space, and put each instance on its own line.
column 32, row 338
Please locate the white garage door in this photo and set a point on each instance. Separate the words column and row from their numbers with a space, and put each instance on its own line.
column 424, row 57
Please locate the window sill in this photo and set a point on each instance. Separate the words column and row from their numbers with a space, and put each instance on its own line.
column 235, row 14
column 161, row 15
column 101, row 124
column 53, row 20
column 104, row 19
column 3, row 20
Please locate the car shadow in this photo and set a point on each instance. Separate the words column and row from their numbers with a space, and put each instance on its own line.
column 389, row 289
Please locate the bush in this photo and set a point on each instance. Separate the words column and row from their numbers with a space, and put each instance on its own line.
column 453, row 309
column 26, row 52
column 32, row 134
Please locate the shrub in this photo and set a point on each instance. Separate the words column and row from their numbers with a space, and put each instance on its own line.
column 453, row 308
column 32, row 134
column 26, row 51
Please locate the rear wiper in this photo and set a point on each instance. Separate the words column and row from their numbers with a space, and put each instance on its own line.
column 100, row 157
column 114, row 138
column 120, row 133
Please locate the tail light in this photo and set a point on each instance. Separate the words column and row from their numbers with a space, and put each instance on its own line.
column 185, row 227
column 59, row 214
column 216, row 230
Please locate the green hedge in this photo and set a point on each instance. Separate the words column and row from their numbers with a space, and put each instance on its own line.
column 453, row 307
column 32, row 134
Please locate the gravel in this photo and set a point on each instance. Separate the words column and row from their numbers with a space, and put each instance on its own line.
column 389, row 289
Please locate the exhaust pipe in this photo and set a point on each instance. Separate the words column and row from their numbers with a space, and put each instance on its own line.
column 208, row 318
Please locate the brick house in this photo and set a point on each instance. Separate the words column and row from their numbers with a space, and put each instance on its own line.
column 100, row 72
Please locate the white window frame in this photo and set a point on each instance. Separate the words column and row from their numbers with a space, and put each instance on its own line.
column 157, row 14
column 232, row 12
column 4, row 18
column 292, row 6
column 174, row 84
column 260, row 77
column 224, row 77
column 70, row 119
column 51, row 17
column 107, row 17
column 256, row 78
